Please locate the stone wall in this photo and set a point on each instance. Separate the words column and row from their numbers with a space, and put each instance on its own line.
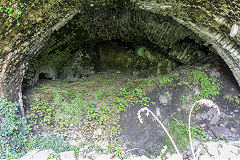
column 163, row 23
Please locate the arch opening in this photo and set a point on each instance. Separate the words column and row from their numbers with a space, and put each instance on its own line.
column 90, row 55
column 43, row 76
column 148, row 35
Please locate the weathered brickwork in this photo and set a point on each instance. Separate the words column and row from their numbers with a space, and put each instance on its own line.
column 163, row 23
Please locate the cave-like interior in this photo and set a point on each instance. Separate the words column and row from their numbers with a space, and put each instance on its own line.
column 122, row 40
column 102, row 79
column 119, row 39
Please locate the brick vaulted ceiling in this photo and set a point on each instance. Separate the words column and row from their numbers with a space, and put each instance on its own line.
column 79, row 22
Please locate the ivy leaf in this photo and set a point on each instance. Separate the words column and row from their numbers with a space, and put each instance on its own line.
column 18, row 24
column 21, row 5
column 10, row 20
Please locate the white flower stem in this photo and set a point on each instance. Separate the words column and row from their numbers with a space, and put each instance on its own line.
column 189, row 131
column 207, row 103
column 174, row 145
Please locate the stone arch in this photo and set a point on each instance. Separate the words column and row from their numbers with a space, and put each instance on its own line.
column 15, row 60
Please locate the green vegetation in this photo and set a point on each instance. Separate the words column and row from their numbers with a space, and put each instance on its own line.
column 222, row 138
column 165, row 79
column 179, row 131
column 208, row 85
column 15, row 135
column 117, row 148
column 41, row 113
column 184, row 99
column 12, row 11
column 92, row 102
column 97, row 103
column 54, row 142
column 14, row 131
column 59, row 112
column 232, row 99
column 16, row 140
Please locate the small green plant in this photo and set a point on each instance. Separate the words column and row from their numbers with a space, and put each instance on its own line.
column 14, row 131
column 153, row 103
column 209, row 88
column 165, row 79
column 178, row 131
column 123, row 92
column 41, row 113
column 95, row 112
column 237, row 100
column 144, row 100
column 181, row 83
column 70, row 112
column 94, row 147
column 117, row 148
column 121, row 104
column 184, row 99
column 168, row 95
column 198, row 133
column 137, row 92
column 99, row 95
column 232, row 99
column 222, row 138
column 196, row 108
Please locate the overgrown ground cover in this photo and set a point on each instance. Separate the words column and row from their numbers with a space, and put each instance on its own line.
column 95, row 103
column 90, row 110
column 64, row 104
column 86, row 106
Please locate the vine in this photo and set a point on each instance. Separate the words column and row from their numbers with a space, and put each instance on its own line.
column 14, row 131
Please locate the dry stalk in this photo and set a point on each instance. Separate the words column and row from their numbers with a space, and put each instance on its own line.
column 201, row 102
column 164, row 128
